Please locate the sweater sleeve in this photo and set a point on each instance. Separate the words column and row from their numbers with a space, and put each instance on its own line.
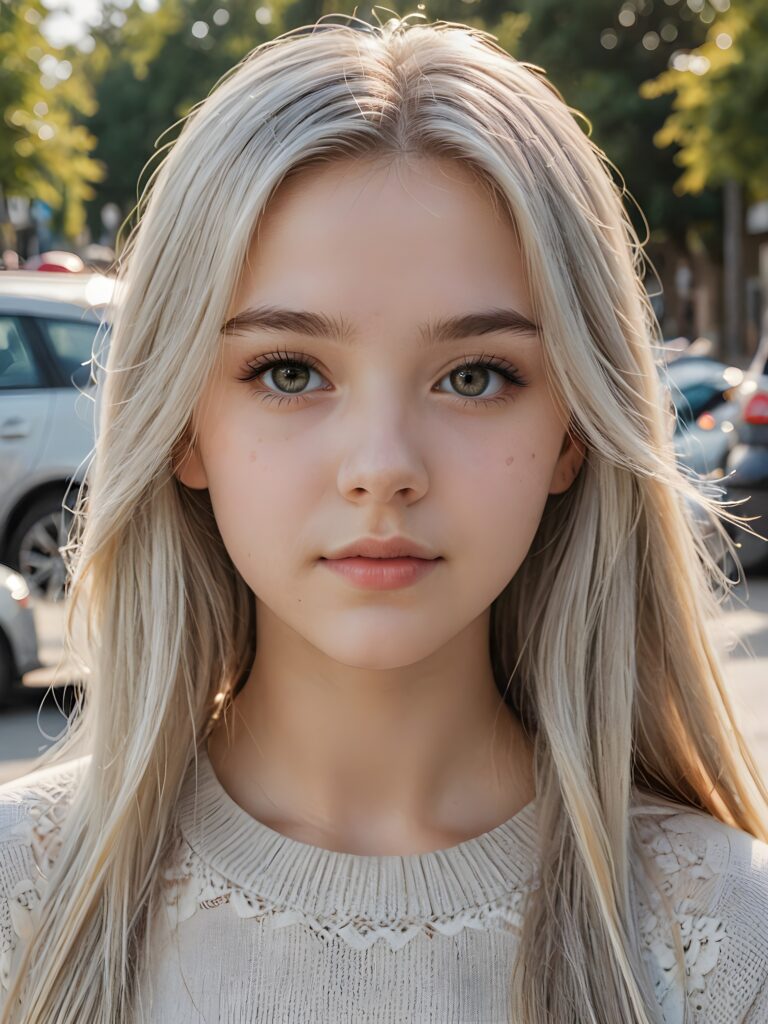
column 17, row 875
column 758, row 1009
column 31, row 811
column 715, row 878
column 743, row 907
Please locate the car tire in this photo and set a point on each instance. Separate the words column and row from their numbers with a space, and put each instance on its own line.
column 8, row 672
column 39, row 533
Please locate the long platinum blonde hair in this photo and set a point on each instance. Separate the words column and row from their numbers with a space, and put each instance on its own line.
column 601, row 640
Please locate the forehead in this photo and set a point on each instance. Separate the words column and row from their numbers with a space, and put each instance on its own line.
column 373, row 238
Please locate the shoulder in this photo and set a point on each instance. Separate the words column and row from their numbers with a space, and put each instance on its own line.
column 42, row 794
column 32, row 809
column 713, row 878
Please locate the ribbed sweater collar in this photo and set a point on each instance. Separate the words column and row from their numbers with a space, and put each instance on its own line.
column 324, row 882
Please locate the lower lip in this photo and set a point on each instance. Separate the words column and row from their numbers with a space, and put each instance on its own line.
column 381, row 573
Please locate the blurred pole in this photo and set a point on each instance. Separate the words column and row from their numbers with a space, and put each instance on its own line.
column 733, row 275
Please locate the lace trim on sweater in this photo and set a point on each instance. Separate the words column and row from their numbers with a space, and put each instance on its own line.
column 190, row 885
column 676, row 847
column 40, row 830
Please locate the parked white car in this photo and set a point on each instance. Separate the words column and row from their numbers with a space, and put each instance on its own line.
column 18, row 636
column 48, row 327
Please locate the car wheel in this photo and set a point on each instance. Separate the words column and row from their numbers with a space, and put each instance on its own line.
column 34, row 548
column 8, row 672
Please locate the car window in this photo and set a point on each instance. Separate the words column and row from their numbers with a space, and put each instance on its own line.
column 72, row 344
column 18, row 368
column 692, row 401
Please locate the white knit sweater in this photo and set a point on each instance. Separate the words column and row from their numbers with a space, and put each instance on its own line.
column 258, row 927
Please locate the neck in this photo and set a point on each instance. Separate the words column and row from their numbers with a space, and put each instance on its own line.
column 398, row 761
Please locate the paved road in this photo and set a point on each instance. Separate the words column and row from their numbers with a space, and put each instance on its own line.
column 741, row 633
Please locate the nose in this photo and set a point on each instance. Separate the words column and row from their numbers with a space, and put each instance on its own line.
column 383, row 457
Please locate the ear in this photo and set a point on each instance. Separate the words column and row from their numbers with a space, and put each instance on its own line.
column 188, row 466
column 568, row 464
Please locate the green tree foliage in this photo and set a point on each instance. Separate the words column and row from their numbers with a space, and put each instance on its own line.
column 598, row 54
column 150, row 68
column 719, row 118
column 44, row 151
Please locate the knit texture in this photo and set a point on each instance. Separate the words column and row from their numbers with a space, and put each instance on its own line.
column 255, row 926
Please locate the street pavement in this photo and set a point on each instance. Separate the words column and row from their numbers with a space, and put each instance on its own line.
column 37, row 718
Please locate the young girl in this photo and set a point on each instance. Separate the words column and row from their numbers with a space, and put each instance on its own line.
column 402, row 705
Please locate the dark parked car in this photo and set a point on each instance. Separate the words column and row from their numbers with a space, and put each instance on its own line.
column 703, row 392
column 747, row 465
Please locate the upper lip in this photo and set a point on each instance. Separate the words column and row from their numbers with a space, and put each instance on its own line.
column 388, row 547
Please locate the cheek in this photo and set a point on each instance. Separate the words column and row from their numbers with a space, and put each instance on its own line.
column 501, row 497
column 262, row 495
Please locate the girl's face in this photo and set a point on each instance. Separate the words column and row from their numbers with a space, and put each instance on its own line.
column 447, row 437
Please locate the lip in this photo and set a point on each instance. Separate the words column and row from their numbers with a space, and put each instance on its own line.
column 386, row 547
column 381, row 573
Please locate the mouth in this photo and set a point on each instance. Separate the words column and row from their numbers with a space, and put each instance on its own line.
column 373, row 573
column 383, row 549
column 377, row 560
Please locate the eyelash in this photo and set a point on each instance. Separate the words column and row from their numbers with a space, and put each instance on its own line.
column 280, row 357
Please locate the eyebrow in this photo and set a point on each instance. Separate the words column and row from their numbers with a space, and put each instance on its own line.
column 323, row 325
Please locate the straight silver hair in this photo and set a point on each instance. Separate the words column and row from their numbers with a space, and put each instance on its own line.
column 600, row 641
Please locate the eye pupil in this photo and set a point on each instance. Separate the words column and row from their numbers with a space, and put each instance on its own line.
column 294, row 375
column 468, row 375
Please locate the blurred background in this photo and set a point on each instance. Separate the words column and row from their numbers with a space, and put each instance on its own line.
column 91, row 96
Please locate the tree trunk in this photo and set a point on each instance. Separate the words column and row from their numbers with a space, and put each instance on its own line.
column 733, row 273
